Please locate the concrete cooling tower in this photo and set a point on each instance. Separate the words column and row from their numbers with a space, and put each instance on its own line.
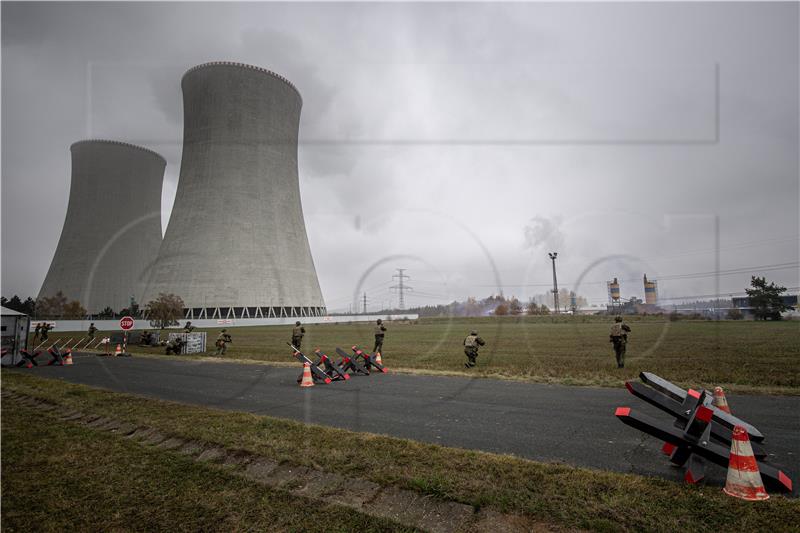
column 112, row 230
column 236, row 244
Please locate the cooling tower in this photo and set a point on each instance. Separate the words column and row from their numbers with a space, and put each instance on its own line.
column 112, row 230
column 236, row 244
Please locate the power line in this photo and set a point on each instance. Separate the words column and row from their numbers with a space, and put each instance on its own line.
column 401, row 287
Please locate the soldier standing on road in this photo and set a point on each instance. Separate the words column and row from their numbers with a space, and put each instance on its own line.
column 92, row 330
column 471, row 344
column 619, row 338
column 380, row 330
column 297, row 334
column 222, row 342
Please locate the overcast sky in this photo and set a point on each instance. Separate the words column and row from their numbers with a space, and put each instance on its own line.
column 461, row 142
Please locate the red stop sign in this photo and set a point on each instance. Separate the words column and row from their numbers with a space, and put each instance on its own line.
column 126, row 323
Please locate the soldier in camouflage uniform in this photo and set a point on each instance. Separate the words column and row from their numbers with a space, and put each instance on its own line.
column 175, row 346
column 380, row 330
column 92, row 330
column 471, row 344
column 619, row 338
column 297, row 334
column 222, row 342
column 45, row 328
column 188, row 327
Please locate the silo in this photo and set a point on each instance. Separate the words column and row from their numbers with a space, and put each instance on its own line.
column 650, row 291
column 112, row 231
column 613, row 291
column 236, row 244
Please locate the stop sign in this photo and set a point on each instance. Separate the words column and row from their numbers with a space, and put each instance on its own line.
column 126, row 323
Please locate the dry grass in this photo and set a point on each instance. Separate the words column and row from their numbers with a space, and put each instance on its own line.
column 742, row 356
column 62, row 477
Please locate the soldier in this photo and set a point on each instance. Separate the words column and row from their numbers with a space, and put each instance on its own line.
column 145, row 338
column 619, row 338
column 37, row 331
column 188, row 328
column 471, row 344
column 175, row 346
column 91, row 331
column 45, row 328
column 297, row 334
column 222, row 342
column 379, row 333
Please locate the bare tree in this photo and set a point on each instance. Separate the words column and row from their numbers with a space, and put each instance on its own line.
column 165, row 310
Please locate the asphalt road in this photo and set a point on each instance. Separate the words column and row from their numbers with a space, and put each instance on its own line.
column 549, row 423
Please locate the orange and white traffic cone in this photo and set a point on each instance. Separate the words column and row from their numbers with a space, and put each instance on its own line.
column 744, row 479
column 378, row 358
column 68, row 359
column 118, row 350
column 307, row 381
column 719, row 401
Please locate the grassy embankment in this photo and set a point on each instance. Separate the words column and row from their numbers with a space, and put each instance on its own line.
column 743, row 356
column 142, row 489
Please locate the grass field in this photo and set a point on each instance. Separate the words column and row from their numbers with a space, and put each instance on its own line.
column 743, row 356
column 101, row 482
column 85, row 480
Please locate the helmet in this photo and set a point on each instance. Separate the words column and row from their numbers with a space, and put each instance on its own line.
column 473, row 332
column 297, row 323
column 380, row 321
column 618, row 319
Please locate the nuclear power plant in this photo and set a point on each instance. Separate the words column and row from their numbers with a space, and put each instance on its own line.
column 236, row 244
column 112, row 230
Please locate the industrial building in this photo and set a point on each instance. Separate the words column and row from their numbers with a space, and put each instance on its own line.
column 236, row 244
column 112, row 230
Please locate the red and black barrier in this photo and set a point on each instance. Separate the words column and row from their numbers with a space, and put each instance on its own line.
column 332, row 369
column 57, row 356
column 350, row 364
column 370, row 360
column 28, row 359
column 689, row 440
column 681, row 410
column 316, row 373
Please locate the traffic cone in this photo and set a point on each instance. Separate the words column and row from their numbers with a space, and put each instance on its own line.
column 307, row 381
column 719, row 400
column 744, row 479
column 378, row 358
column 118, row 350
column 68, row 359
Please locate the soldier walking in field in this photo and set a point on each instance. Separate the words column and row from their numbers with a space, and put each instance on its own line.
column 222, row 342
column 619, row 338
column 471, row 344
column 380, row 330
column 45, row 328
column 91, row 331
column 297, row 334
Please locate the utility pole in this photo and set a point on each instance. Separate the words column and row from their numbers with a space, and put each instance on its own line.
column 401, row 287
column 553, row 256
column 365, row 303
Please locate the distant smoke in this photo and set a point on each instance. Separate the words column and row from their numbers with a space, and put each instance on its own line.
column 544, row 234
